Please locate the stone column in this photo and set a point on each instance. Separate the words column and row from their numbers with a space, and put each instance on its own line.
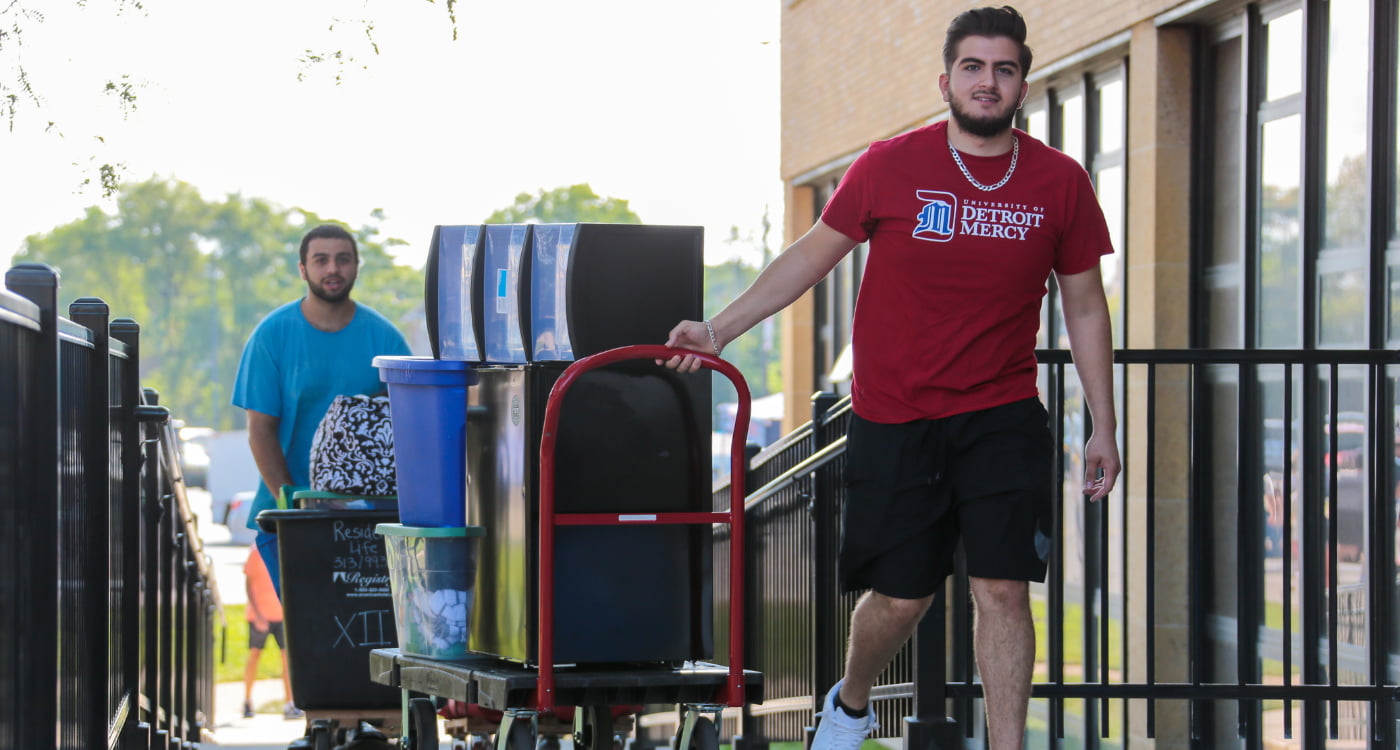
column 1158, row 279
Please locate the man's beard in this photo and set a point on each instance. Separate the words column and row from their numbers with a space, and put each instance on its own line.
column 988, row 127
column 325, row 296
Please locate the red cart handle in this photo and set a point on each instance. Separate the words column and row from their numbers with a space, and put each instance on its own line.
column 733, row 693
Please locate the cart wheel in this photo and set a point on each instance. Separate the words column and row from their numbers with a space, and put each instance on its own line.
column 422, row 729
column 320, row 737
column 598, row 731
column 521, row 736
column 705, row 735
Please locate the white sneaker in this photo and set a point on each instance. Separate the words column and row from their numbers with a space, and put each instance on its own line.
column 839, row 730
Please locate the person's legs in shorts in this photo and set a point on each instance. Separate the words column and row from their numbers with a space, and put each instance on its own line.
column 891, row 479
column 257, row 638
column 275, row 629
column 1002, row 496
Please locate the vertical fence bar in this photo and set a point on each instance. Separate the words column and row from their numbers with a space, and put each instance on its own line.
column 92, row 523
column 1314, row 554
column 1334, row 518
column 1380, row 541
column 36, row 715
column 1288, row 512
column 1091, row 577
column 1248, row 584
column 1150, row 522
column 747, row 735
column 128, row 332
column 153, row 418
column 1195, row 528
column 1056, row 590
column 930, row 728
column 825, row 602
column 1105, row 611
column 19, row 332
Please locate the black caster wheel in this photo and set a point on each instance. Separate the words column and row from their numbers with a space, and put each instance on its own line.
column 521, row 736
column 705, row 736
column 597, row 729
column 320, row 737
column 422, row 729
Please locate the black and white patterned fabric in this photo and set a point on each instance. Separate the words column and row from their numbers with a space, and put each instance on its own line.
column 352, row 452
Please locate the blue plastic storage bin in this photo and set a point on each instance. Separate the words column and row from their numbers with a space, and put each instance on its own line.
column 428, row 412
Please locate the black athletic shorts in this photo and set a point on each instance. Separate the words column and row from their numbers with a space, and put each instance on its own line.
column 916, row 490
column 258, row 638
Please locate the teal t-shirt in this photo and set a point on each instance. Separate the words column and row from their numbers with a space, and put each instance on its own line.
column 292, row 370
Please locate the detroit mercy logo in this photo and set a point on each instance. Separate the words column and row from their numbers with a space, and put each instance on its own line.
column 936, row 216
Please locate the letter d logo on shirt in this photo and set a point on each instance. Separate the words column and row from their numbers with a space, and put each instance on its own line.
column 936, row 217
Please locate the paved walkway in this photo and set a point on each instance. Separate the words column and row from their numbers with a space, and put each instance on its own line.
column 233, row 732
column 230, row 730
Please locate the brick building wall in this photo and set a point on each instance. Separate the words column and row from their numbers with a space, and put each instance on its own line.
column 853, row 72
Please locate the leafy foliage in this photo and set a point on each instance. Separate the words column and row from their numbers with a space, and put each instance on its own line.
column 757, row 352
column 198, row 275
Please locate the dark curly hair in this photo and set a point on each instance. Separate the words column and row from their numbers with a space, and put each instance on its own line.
column 328, row 232
column 990, row 22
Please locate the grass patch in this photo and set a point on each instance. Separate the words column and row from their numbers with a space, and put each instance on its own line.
column 231, row 649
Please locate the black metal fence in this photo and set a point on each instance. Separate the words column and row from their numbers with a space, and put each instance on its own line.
column 1239, row 588
column 106, row 599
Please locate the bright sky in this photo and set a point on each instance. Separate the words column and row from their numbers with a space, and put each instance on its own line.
column 670, row 105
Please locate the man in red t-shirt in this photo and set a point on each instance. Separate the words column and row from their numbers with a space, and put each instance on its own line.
column 966, row 220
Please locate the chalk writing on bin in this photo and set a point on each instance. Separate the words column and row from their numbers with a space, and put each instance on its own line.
column 364, row 629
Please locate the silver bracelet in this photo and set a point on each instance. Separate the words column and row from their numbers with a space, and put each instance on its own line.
column 709, row 327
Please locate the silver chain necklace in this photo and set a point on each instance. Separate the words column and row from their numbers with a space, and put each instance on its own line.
column 1015, row 151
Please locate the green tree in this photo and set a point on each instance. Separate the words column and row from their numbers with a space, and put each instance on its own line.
column 757, row 352
column 565, row 205
column 198, row 275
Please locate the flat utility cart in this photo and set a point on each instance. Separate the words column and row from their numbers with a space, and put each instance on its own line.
column 534, row 696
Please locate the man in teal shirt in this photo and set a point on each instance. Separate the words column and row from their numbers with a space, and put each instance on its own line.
column 298, row 359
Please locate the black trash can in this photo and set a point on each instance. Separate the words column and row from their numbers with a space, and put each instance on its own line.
column 336, row 605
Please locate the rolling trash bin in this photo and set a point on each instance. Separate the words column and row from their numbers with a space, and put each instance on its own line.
column 336, row 604
column 428, row 414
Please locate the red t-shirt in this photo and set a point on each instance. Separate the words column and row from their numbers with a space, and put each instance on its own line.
column 949, row 304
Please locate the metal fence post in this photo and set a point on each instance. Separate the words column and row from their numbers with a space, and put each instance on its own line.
column 825, row 542
column 93, row 528
column 156, row 621
column 37, row 649
column 127, row 556
column 753, row 618
column 930, row 728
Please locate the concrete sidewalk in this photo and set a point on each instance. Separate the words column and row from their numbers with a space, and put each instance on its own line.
column 264, row 730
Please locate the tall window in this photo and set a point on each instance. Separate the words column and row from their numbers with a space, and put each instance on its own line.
column 1085, row 116
column 1342, row 267
column 835, row 309
column 1287, row 245
column 1286, row 198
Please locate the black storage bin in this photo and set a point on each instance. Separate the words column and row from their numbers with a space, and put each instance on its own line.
column 587, row 288
column 336, row 604
column 633, row 438
column 510, row 293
